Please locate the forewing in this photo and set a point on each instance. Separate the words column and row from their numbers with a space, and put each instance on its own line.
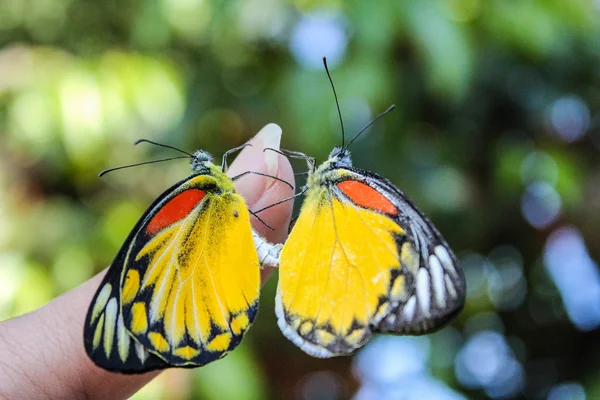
column 339, row 274
column 190, row 289
column 439, row 290
column 190, row 260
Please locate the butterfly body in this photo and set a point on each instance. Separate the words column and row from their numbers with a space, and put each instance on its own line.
column 184, row 286
column 357, row 262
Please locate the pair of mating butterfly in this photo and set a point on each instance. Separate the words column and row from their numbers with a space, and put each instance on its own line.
column 184, row 288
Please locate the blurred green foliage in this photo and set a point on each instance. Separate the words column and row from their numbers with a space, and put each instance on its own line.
column 493, row 97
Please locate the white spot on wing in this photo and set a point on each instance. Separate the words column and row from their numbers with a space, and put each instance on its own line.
column 437, row 276
column 409, row 308
column 424, row 291
column 123, row 339
column 141, row 352
column 100, row 302
column 110, row 323
column 445, row 259
column 98, row 331
column 450, row 286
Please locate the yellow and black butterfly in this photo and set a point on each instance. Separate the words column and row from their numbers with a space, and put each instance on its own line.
column 361, row 258
column 184, row 287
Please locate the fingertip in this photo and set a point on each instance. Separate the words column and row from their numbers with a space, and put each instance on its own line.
column 254, row 158
column 270, row 137
column 278, row 216
column 260, row 191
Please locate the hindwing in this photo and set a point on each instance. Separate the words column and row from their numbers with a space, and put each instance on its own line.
column 440, row 289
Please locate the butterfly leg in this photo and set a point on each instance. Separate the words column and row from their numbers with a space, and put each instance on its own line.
column 310, row 161
column 262, row 174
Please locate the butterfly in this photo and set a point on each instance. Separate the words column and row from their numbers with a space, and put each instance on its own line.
column 184, row 287
column 361, row 258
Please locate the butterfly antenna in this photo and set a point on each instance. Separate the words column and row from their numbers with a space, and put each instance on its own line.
column 106, row 171
column 161, row 145
column 369, row 124
column 337, row 103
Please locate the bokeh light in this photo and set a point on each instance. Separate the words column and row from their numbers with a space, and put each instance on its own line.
column 576, row 276
column 507, row 286
column 318, row 35
column 540, row 204
column 571, row 391
column 487, row 362
column 570, row 118
column 396, row 368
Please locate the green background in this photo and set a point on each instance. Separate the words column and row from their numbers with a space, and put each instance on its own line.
column 495, row 137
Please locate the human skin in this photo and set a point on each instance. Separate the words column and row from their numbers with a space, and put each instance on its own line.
column 42, row 354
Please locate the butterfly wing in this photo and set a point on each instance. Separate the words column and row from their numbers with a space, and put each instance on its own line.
column 106, row 340
column 440, row 288
column 363, row 258
column 341, row 270
column 191, row 287
column 184, row 287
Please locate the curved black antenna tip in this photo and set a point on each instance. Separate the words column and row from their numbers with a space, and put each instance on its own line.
column 337, row 103
column 162, row 145
column 325, row 64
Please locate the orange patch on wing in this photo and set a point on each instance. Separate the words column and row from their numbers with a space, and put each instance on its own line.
column 176, row 209
column 367, row 197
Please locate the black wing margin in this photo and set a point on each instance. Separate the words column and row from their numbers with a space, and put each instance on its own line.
column 105, row 337
column 440, row 287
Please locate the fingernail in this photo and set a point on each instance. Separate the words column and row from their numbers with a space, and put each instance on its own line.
column 270, row 136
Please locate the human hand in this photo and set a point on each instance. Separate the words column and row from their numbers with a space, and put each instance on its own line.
column 42, row 353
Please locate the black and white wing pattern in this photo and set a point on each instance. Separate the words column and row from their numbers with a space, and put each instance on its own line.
column 440, row 288
column 106, row 339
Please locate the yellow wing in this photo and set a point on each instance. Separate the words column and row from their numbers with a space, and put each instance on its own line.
column 340, row 272
column 184, row 287
column 190, row 287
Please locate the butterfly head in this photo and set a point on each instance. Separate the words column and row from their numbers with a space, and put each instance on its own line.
column 340, row 157
column 201, row 161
